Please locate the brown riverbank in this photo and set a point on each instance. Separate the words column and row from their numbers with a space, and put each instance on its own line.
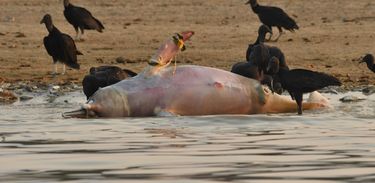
column 332, row 36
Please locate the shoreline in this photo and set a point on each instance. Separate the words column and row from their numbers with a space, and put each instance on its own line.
column 26, row 90
column 333, row 35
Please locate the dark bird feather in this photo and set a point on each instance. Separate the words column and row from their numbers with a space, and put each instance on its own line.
column 273, row 17
column 260, row 56
column 273, row 51
column 369, row 60
column 246, row 69
column 59, row 45
column 81, row 18
column 103, row 76
column 249, row 70
column 300, row 81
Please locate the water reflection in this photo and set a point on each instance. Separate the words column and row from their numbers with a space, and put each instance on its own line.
column 37, row 145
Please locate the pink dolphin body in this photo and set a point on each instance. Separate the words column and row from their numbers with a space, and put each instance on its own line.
column 186, row 90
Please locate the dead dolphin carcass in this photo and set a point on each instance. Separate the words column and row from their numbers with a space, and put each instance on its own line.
column 186, row 90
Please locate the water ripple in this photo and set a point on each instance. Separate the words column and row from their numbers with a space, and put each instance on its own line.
column 37, row 145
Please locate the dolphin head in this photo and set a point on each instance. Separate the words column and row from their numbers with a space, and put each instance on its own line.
column 106, row 102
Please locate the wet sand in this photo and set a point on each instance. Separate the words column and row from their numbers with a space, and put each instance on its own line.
column 332, row 36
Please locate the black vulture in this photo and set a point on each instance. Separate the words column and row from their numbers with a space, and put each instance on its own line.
column 273, row 84
column 246, row 69
column 60, row 46
column 250, row 70
column 276, row 86
column 273, row 16
column 81, row 18
column 300, row 81
column 272, row 70
column 273, row 66
column 369, row 59
column 262, row 31
column 103, row 76
column 276, row 52
column 273, row 50
column 260, row 56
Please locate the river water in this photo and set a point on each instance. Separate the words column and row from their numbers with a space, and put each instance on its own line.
column 333, row 145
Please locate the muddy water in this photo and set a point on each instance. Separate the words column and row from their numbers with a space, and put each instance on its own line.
column 334, row 145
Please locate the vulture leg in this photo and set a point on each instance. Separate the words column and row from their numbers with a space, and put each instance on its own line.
column 77, row 33
column 54, row 67
column 64, row 69
column 299, row 97
column 270, row 35
column 280, row 33
column 82, row 32
column 292, row 95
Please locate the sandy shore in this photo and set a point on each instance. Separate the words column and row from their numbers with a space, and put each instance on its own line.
column 333, row 35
